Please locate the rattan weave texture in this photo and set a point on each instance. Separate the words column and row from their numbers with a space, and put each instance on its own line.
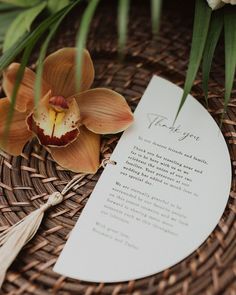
column 26, row 180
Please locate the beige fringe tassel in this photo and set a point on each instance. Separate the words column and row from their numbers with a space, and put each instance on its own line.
column 13, row 239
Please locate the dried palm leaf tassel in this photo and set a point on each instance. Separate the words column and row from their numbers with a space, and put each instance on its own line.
column 13, row 239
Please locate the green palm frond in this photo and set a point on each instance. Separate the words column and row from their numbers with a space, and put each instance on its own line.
column 200, row 31
column 156, row 6
column 6, row 19
column 215, row 29
column 23, row 42
column 21, row 24
column 55, row 5
column 81, row 37
column 230, row 52
column 123, row 20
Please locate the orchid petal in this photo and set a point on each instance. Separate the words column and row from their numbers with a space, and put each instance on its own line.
column 25, row 94
column 60, row 72
column 80, row 156
column 55, row 124
column 104, row 111
column 18, row 133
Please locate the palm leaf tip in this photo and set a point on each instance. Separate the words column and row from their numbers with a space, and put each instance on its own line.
column 215, row 29
column 200, row 31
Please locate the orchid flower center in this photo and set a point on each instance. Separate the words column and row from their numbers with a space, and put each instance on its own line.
column 56, row 120
column 57, row 107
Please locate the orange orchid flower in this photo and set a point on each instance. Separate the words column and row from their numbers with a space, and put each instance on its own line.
column 67, row 122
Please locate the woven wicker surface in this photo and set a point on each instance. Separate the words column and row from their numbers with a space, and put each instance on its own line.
column 25, row 181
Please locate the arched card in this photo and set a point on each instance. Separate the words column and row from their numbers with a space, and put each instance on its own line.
column 161, row 200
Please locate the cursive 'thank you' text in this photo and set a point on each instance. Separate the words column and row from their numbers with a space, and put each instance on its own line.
column 156, row 120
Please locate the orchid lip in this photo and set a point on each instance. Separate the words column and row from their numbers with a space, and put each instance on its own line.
column 55, row 122
column 52, row 140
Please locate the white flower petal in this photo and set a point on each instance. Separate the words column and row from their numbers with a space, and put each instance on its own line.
column 215, row 4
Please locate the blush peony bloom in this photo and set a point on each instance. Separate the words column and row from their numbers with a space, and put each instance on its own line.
column 67, row 122
column 215, row 4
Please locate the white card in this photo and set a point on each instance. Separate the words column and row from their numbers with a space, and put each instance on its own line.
column 163, row 198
